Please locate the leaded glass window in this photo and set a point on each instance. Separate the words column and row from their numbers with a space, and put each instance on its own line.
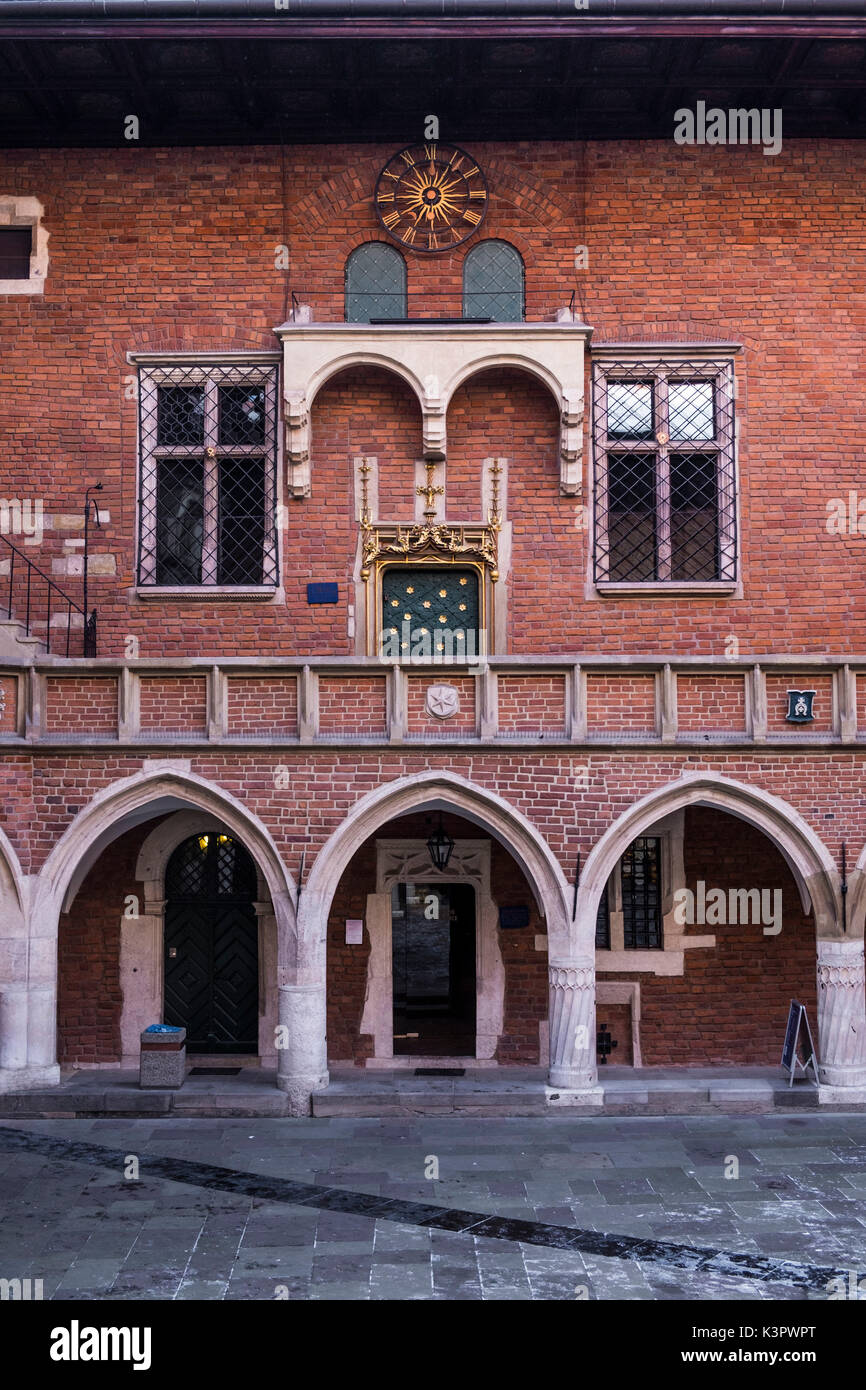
column 665, row 483
column 430, row 613
column 640, row 876
column 207, row 499
column 493, row 283
column 375, row 283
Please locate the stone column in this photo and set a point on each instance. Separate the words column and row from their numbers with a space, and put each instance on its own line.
column 302, row 1053
column 13, row 1029
column 572, row 1031
column 841, row 1016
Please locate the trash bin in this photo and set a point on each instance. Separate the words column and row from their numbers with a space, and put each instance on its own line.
column 163, row 1057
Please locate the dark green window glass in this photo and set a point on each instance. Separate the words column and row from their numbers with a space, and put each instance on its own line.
column 430, row 614
column 493, row 283
column 375, row 283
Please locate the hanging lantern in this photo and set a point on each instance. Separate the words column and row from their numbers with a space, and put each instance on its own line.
column 440, row 846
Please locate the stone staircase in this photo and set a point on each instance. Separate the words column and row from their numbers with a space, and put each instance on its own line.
column 16, row 644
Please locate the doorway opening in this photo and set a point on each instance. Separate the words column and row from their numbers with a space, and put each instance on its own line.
column 434, row 952
column 211, row 945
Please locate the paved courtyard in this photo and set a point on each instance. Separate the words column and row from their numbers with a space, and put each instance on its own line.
column 703, row 1207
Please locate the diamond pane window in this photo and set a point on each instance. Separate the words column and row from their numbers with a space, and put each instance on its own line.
column 493, row 283
column 640, row 871
column 179, row 510
column 210, row 865
column 664, row 471
column 694, row 517
column 690, row 410
column 180, row 415
column 375, row 283
column 630, row 409
column 241, row 414
column 207, row 498
column 431, row 613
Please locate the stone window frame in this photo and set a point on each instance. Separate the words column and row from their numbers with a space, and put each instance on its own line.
column 670, row 958
column 205, row 361
column 662, row 360
column 26, row 212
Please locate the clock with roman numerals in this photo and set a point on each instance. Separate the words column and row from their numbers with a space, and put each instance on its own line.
column 430, row 197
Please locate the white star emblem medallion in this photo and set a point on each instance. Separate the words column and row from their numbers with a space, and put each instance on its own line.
column 442, row 701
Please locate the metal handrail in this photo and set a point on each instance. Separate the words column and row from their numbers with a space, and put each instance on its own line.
column 30, row 584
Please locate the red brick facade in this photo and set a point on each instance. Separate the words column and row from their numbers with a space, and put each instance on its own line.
column 174, row 251
column 762, row 256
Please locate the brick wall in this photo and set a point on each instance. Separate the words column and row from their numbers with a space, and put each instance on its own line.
column 711, row 703
column 620, row 702
column 355, row 704
column 174, row 704
column 531, row 704
column 763, row 252
column 259, row 704
column 89, row 996
column 347, row 965
column 8, row 704
column 76, row 704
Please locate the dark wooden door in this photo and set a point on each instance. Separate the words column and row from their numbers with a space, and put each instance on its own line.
column 211, row 945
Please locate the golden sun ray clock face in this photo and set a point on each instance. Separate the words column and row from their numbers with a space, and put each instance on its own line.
column 430, row 197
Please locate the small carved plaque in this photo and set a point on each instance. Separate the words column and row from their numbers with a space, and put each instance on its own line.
column 443, row 701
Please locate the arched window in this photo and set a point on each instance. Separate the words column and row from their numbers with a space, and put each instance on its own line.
column 493, row 283
column 375, row 283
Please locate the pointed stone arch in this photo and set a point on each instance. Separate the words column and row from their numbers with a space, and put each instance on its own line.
column 807, row 857
column 144, row 795
column 437, row 791
column 167, row 787
column 303, row 1067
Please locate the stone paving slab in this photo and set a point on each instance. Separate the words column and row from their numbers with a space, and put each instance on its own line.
column 90, row 1234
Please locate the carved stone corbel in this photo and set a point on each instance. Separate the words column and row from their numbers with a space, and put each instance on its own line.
column 297, row 444
column 571, row 443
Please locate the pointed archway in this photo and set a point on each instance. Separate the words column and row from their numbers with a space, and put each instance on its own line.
column 119, row 807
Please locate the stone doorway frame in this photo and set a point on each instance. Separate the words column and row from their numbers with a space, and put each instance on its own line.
column 408, row 861
column 142, row 938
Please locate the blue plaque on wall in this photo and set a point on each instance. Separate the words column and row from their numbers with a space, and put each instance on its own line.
column 512, row 918
column 322, row 593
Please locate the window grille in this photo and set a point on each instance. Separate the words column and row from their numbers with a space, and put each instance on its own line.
column 375, row 283
column 640, row 877
column 493, row 283
column 602, row 923
column 664, row 483
column 207, row 494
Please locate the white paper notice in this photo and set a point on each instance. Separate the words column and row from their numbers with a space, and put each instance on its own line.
column 354, row 932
